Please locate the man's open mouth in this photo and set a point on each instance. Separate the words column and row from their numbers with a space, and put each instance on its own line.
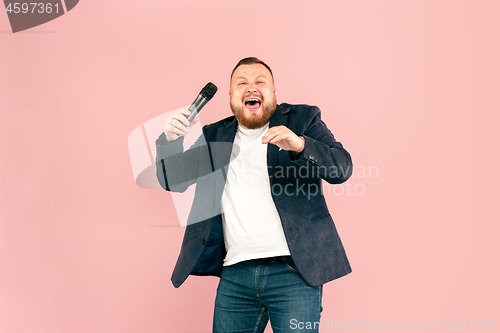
column 253, row 103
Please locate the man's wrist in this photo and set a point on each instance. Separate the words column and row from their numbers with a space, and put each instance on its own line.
column 298, row 154
column 303, row 145
column 162, row 140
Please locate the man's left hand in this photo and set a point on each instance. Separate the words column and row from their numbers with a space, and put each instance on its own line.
column 284, row 138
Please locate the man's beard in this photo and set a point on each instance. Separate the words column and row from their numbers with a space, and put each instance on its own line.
column 254, row 121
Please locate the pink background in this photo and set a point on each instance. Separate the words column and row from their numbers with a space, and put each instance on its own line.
column 409, row 87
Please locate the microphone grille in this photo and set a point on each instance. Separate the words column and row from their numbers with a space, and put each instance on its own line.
column 209, row 90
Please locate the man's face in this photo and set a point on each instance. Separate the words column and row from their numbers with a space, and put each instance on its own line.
column 252, row 95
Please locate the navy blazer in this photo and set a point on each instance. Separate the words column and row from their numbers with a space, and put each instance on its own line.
column 296, row 189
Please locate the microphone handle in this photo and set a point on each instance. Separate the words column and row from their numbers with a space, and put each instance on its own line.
column 195, row 108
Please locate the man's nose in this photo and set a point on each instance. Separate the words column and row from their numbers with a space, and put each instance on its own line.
column 251, row 88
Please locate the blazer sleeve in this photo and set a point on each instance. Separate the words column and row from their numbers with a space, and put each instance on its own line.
column 325, row 156
column 176, row 169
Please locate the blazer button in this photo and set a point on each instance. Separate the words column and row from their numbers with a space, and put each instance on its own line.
column 313, row 158
column 203, row 241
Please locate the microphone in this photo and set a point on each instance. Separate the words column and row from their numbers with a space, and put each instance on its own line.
column 203, row 98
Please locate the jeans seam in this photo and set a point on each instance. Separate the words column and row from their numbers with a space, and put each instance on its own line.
column 256, row 278
column 259, row 319
column 260, row 291
column 320, row 296
column 264, row 280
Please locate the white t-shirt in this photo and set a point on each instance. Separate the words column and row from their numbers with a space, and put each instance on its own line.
column 251, row 223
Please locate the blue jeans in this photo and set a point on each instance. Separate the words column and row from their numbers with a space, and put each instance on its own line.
column 252, row 292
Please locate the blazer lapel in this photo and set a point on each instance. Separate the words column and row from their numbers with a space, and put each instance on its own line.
column 279, row 118
column 222, row 144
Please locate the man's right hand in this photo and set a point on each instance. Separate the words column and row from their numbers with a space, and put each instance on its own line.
column 177, row 124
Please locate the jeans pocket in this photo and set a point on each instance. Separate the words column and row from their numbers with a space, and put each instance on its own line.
column 291, row 265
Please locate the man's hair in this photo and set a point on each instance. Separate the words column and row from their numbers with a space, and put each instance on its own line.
column 250, row 61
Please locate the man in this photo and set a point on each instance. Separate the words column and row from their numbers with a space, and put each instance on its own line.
column 259, row 220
